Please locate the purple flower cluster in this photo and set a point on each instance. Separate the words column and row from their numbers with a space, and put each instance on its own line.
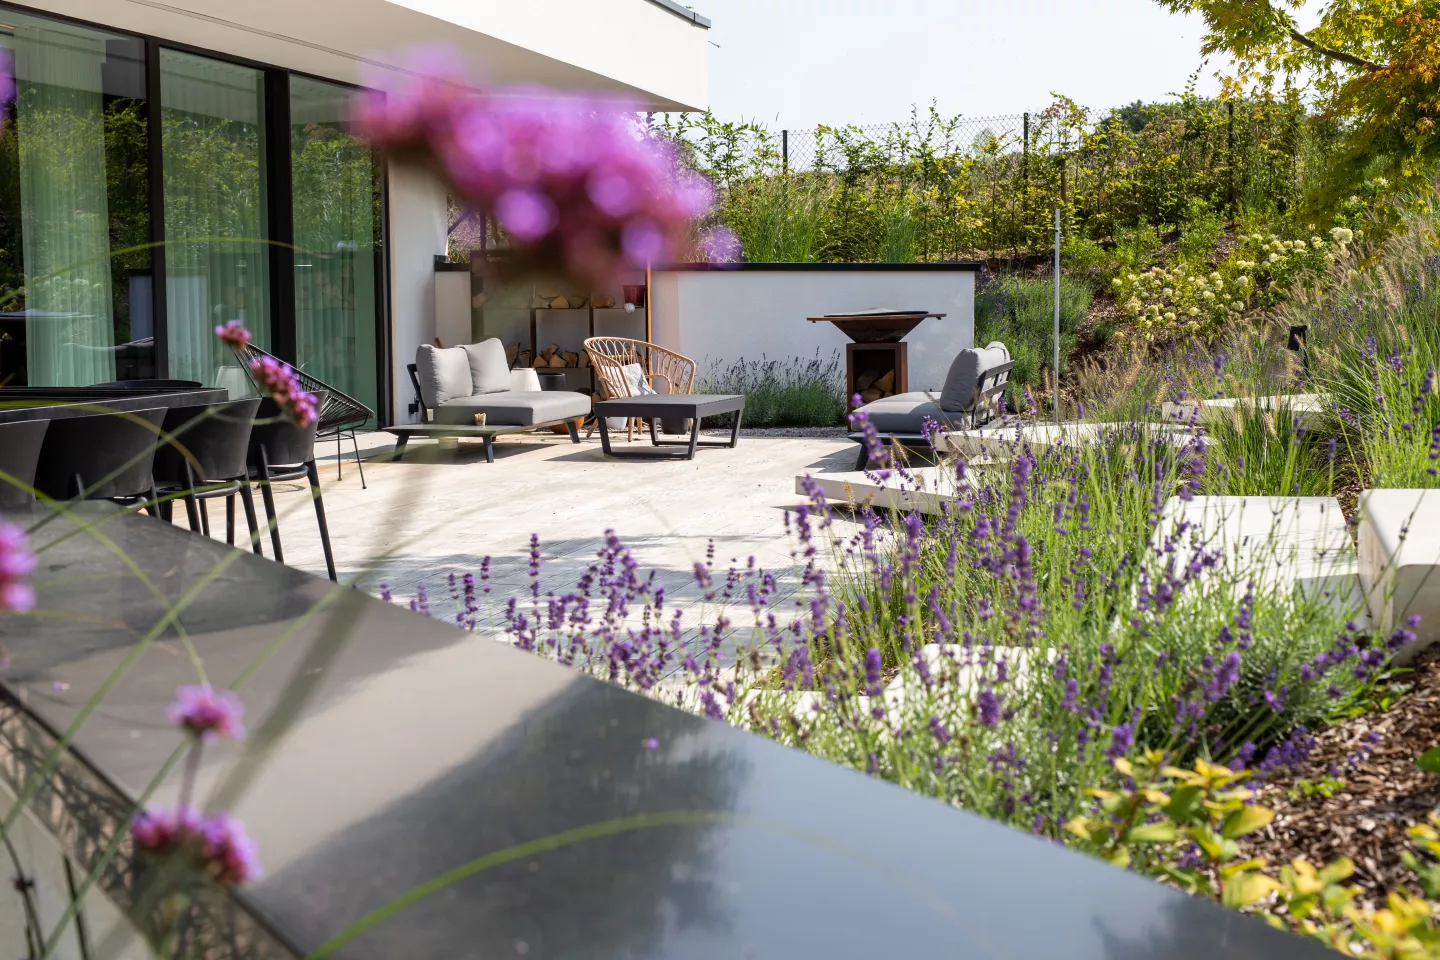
column 233, row 334
column 16, row 562
column 216, row 846
column 277, row 379
column 207, row 713
column 576, row 183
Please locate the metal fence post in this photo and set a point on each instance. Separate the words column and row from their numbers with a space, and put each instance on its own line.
column 1230, row 152
column 785, row 151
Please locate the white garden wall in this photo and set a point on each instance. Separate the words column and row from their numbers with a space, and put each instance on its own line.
column 718, row 315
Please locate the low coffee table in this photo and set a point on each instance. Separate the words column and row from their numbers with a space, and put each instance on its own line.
column 671, row 406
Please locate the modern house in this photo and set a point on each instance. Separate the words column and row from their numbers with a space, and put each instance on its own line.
column 167, row 166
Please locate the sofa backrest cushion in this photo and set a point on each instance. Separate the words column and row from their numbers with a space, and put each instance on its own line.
column 443, row 374
column 966, row 372
column 489, row 370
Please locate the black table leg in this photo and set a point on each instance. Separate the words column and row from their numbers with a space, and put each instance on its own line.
column 735, row 430
column 400, row 442
column 654, row 440
column 694, row 437
column 604, row 435
column 489, row 451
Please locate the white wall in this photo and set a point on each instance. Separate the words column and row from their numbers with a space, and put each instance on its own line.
column 718, row 317
column 417, row 233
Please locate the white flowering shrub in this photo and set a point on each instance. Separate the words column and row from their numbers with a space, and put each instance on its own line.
column 1187, row 300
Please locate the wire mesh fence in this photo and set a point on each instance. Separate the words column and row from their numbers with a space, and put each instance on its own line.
column 934, row 187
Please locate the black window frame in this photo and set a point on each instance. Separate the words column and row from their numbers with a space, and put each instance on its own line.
column 279, row 202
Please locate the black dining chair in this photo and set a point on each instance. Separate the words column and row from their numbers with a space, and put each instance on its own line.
column 279, row 450
column 203, row 455
column 106, row 456
column 20, row 443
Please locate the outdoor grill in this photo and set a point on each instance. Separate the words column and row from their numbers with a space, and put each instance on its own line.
column 875, row 358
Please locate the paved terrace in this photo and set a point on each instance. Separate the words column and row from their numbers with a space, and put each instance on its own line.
column 443, row 509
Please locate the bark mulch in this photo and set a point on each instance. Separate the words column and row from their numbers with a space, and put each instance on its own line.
column 1382, row 796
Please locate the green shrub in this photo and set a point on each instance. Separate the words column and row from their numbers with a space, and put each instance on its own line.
column 778, row 219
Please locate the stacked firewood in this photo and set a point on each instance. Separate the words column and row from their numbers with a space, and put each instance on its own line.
column 872, row 388
column 551, row 356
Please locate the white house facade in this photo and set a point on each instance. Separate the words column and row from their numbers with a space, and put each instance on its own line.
column 167, row 166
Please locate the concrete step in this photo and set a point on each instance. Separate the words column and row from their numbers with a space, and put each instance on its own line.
column 1309, row 407
column 1400, row 562
column 1282, row 543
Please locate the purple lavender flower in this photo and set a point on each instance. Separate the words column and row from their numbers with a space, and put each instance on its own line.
column 988, row 708
column 16, row 562
column 207, row 713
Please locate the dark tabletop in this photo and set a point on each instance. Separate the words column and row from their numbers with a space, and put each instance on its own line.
column 674, row 404
column 400, row 748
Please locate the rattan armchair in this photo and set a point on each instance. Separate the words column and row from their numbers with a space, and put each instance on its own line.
column 610, row 355
column 339, row 418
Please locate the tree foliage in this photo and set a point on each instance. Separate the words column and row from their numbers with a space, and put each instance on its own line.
column 1373, row 65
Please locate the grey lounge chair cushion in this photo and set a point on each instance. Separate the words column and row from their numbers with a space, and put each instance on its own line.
column 514, row 408
column 903, row 413
column 444, row 375
column 489, row 370
column 966, row 372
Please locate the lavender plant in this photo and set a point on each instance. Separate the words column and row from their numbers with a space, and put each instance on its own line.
column 793, row 392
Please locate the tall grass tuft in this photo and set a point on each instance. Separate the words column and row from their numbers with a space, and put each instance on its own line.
column 778, row 219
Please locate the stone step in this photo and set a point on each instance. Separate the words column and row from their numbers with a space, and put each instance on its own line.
column 1400, row 562
column 1000, row 443
column 1309, row 407
column 923, row 489
column 1282, row 543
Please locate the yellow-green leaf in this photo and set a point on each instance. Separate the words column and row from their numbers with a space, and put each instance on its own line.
column 1243, row 889
column 1246, row 820
column 1162, row 832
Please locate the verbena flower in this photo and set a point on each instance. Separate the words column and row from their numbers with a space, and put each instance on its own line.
column 208, row 713
column 577, row 183
column 278, row 379
column 233, row 333
column 215, row 846
column 16, row 562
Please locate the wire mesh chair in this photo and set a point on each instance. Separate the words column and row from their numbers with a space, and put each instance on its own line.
column 610, row 355
column 340, row 416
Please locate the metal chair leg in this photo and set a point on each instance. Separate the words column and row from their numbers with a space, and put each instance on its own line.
column 192, row 510
column 360, row 464
column 247, row 500
column 269, row 497
column 204, row 518
column 230, row 519
column 314, row 476
column 339, row 456
column 573, row 430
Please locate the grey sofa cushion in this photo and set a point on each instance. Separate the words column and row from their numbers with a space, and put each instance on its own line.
column 969, row 366
column 514, row 408
column 443, row 374
column 489, row 370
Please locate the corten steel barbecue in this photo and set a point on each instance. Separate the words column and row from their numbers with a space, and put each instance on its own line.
column 876, row 362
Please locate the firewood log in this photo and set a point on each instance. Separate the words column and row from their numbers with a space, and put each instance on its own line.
column 885, row 384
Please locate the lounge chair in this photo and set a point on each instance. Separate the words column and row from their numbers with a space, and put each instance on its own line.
column 970, row 398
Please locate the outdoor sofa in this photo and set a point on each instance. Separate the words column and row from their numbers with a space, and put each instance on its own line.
column 455, row 384
column 969, row 398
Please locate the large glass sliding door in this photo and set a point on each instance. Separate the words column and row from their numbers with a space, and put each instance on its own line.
column 75, row 295
column 336, row 221
column 216, row 251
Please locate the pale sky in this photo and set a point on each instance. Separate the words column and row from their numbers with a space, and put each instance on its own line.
column 795, row 63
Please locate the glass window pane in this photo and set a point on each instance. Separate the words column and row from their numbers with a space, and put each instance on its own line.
column 217, row 265
column 336, row 205
column 75, row 295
